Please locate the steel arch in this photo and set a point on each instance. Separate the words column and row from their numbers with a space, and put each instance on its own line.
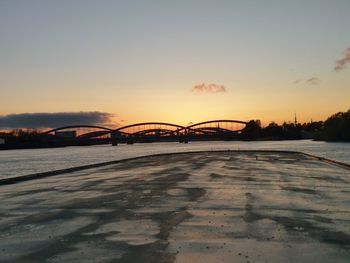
column 161, row 132
column 215, row 121
column 210, row 130
column 78, row 126
column 179, row 127
column 94, row 134
column 144, row 129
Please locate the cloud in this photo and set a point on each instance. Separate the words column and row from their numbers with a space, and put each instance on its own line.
column 311, row 81
column 342, row 63
column 53, row 120
column 209, row 88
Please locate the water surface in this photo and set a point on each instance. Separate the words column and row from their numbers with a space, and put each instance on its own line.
column 22, row 162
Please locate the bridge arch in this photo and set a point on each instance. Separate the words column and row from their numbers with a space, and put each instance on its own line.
column 77, row 127
column 149, row 130
column 216, row 121
column 216, row 126
column 144, row 127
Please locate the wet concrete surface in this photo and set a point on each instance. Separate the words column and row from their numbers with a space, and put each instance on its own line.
column 188, row 207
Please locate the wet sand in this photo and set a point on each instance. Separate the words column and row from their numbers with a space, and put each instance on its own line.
column 188, row 207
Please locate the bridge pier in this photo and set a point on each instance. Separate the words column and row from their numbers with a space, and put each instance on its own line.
column 183, row 140
column 115, row 136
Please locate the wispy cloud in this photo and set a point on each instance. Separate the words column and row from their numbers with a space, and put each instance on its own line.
column 209, row 88
column 342, row 63
column 53, row 120
column 311, row 81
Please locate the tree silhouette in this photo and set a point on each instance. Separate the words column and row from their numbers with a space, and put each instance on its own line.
column 337, row 127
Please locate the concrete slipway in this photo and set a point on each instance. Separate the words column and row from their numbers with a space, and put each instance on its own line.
column 188, row 207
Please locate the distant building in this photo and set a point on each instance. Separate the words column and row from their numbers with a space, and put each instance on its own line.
column 66, row 134
column 2, row 141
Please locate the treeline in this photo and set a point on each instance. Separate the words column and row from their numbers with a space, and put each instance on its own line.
column 335, row 128
column 21, row 133
column 31, row 138
column 286, row 131
column 25, row 138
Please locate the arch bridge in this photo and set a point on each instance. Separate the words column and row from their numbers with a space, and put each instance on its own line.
column 151, row 131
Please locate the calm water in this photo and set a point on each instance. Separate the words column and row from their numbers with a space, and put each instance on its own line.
column 22, row 162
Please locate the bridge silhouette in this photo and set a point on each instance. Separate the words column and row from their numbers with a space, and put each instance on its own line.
column 148, row 132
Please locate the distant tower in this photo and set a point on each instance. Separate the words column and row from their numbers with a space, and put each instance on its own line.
column 295, row 118
column 258, row 122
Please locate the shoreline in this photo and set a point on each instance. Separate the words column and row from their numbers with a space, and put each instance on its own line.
column 4, row 148
column 23, row 178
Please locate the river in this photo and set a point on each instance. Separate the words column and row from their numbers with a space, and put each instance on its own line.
column 22, row 162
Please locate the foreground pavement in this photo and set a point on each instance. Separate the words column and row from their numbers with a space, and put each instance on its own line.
column 188, row 207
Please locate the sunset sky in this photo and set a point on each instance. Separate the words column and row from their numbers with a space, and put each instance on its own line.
column 177, row 61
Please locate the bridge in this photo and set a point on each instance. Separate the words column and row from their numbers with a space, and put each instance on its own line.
column 148, row 132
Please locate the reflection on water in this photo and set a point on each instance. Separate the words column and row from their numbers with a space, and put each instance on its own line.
column 21, row 162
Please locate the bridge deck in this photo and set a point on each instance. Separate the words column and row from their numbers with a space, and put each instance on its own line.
column 192, row 207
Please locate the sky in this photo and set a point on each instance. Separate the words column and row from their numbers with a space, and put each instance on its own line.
column 176, row 61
